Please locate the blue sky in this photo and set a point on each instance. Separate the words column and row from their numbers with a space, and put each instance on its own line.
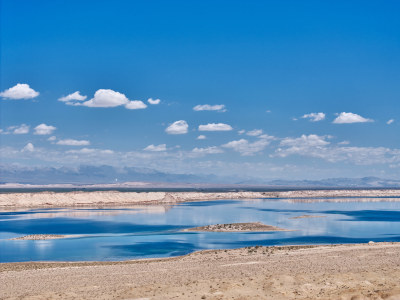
column 269, row 63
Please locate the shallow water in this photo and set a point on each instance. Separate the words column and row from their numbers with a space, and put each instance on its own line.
column 155, row 231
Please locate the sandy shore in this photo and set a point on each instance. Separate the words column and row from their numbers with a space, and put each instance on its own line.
column 309, row 272
column 114, row 198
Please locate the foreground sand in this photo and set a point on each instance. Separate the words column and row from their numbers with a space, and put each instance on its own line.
column 114, row 198
column 323, row 272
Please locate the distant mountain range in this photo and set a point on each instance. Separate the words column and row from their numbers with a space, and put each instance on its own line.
column 87, row 175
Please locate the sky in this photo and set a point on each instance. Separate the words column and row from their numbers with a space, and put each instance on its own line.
column 258, row 89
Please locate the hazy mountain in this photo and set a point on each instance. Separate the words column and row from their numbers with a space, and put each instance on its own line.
column 108, row 174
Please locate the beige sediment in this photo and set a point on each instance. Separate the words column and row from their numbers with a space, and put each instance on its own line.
column 115, row 198
column 293, row 272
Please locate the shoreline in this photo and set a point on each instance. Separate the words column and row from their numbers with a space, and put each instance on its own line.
column 345, row 271
column 116, row 198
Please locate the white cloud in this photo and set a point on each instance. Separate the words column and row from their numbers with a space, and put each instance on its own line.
column 314, row 117
column 178, row 127
column 106, row 98
column 268, row 111
column 22, row 129
column 311, row 140
column 71, row 142
column 28, row 148
column 390, row 121
column 208, row 150
column 19, row 91
column 135, row 104
column 90, row 151
column 241, row 131
column 347, row 118
column 154, row 148
column 44, row 129
column 153, row 101
column 76, row 96
column 344, row 143
column 218, row 107
column 52, row 138
column 19, row 129
column 245, row 148
column 254, row 132
column 201, row 137
column 215, row 127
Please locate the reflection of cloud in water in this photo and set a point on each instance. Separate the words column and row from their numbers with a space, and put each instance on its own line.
column 83, row 212
column 339, row 199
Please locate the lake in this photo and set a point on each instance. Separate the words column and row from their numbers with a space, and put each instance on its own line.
column 122, row 233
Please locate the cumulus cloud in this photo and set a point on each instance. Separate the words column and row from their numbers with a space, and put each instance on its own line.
column 135, row 104
column 208, row 150
column 71, row 142
column 44, row 129
column 215, row 127
column 314, row 117
column 28, row 148
column 76, row 96
column 19, row 91
column 154, row 148
column 52, row 138
column 153, row 101
column 246, row 148
column 106, row 98
column 218, row 107
column 254, row 132
column 90, row 151
column 347, row 118
column 22, row 129
column 201, row 137
column 390, row 121
column 178, row 127
column 318, row 147
column 110, row 98
column 18, row 129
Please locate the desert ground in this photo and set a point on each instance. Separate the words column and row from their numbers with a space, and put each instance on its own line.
column 363, row 271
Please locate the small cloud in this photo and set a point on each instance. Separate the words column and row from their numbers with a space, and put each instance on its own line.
column 294, row 119
column 154, row 148
column 106, row 98
column 344, row 143
column 245, row 148
column 254, row 132
column 19, row 91
column 215, row 127
column 208, row 150
column 22, row 129
column 390, row 121
column 348, row 118
column 268, row 111
column 90, row 151
column 314, row 117
column 44, row 129
column 28, row 148
column 218, row 107
column 135, row 104
column 52, row 138
column 71, row 142
column 241, row 131
column 178, row 127
column 110, row 98
column 76, row 96
column 153, row 101
column 201, row 137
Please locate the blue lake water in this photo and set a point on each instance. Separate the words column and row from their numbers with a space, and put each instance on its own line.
column 155, row 231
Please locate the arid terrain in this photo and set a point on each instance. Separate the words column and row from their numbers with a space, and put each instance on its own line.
column 236, row 227
column 364, row 271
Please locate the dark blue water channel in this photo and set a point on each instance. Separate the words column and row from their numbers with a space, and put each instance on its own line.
column 156, row 231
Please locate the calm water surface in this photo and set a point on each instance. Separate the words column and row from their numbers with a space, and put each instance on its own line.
column 155, row 231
